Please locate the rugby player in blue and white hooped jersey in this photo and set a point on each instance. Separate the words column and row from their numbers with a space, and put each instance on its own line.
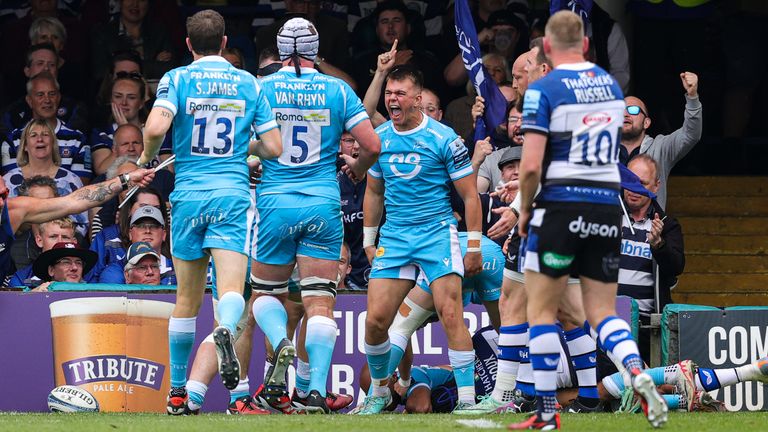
column 419, row 156
column 572, row 122
column 213, row 107
column 299, row 218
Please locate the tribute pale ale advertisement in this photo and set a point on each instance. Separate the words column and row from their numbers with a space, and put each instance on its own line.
column 114, row 347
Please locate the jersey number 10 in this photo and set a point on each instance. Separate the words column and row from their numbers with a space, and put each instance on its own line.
column 598, row 149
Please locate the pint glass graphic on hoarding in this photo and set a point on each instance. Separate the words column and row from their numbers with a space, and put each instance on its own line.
column 114, row 347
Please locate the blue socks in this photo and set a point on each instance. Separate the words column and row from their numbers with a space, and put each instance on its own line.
column 302, row 377
column 395, row 355
column 271, row 317
column 181, row 337
column 230, row 310
column 581, row 346
column 463, row 364
column 512, row 343
column 321, row 338
column 615, row 338
column 545, row 357
column 378, row 362
column 241, row 390
column 196, row 391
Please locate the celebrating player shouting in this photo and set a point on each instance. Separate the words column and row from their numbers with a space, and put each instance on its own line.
column 419, row 157
column 213, row 107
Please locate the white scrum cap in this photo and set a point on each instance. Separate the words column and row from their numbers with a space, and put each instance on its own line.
column 298, row 36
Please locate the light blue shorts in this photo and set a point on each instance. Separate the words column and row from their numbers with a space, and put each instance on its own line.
column 287, row 226
column 405, row 252
column 205, row 220
column 485, row 286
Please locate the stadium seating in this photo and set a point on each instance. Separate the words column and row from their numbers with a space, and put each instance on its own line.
column 726, row 239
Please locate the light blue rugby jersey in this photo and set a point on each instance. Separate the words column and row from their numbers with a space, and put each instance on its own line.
column 313, row 110
column 216, row 108
column 416, row 167
column 581, row 107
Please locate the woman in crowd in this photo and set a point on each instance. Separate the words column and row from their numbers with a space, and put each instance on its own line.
column 127, row 106
column 39, row 156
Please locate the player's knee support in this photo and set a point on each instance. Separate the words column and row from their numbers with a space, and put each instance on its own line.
column 317, row 287
column 406, row 325
column 262, row 286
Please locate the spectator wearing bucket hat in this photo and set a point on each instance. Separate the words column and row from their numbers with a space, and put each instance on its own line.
column 65, row 262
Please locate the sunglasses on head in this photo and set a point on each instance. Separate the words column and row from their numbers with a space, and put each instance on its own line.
column 635, row 110
column 130, row 75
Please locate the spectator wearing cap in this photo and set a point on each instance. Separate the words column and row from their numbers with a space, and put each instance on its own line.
column 113, row 241
column 509, row 167
column 505, row 171
column 147, row 226
column 65, row 262
column 142, row 265
column 491, row 162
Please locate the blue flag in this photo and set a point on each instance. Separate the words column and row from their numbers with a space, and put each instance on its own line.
column 581, row 8
column 631, row 182
column 495, row 103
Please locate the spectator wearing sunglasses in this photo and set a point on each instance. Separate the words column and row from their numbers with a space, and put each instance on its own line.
column 666, row 150
column 125, row 62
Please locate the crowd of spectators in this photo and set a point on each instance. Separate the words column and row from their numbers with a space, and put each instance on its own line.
column 79, row 78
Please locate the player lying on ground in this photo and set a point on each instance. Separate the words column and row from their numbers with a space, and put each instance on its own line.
column 686, row 386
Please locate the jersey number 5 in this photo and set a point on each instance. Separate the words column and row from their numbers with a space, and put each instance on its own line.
column 302, row 140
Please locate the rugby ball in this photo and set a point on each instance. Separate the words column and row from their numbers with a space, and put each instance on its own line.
column 70, row 399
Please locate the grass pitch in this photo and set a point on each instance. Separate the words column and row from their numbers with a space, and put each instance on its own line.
column 40, row 422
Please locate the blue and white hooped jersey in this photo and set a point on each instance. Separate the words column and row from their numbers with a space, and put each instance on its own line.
column 581, row 108
column 216, row 109
column 313, row 110
column 416, row 167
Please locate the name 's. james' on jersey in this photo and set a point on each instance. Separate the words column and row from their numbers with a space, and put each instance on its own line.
column 216, row 88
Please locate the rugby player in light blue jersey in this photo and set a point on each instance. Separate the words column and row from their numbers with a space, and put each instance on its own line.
column 572, row 121
column 419, row 157
column 419, row 306
column 299, row 218
column 214, row 108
